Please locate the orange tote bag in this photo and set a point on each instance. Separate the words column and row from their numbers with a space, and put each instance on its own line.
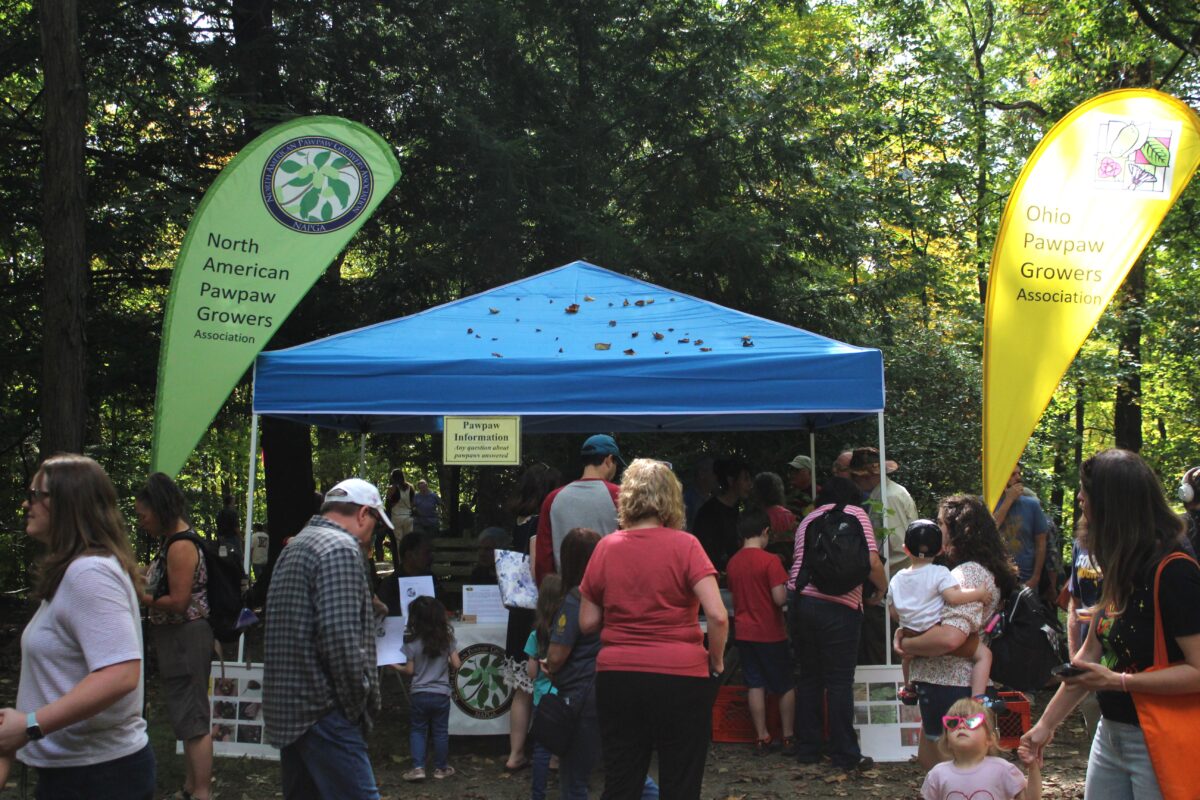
column 1169, row 721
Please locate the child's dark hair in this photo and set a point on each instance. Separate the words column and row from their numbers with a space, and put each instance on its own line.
column 550, row 598
column 752, row 522
column 427, row 621
column 574, row 555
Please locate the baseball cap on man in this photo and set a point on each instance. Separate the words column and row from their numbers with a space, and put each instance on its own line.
column 361, row 493
column 601, row 445
column 801, row 462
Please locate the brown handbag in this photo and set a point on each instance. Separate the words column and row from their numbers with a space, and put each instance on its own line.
column 1169, row 721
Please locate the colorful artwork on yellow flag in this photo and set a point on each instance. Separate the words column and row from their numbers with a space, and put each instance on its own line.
column 1081, row 212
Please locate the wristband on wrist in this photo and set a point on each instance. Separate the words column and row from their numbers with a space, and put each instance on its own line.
column 1124, row 684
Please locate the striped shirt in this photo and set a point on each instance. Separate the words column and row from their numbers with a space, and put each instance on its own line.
column 852, row 598
column 320, row 634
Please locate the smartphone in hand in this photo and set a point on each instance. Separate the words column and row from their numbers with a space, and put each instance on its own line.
column 1067, row 670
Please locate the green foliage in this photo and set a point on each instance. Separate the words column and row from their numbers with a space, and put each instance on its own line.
column 841, row 166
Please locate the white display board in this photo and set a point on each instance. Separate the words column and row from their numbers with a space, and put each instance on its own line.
column 887, row 729
column 235, row 700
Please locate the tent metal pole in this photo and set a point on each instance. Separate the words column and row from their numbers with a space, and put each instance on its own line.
column 883, row 493
column 251, row 474
column 812, row 453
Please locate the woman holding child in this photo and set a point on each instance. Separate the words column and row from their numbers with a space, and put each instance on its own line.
column 972, row 544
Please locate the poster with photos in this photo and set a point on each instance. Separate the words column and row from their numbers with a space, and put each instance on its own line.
column 235, row 697
column 887, row 729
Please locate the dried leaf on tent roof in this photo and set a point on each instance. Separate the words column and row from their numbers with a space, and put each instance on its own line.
column 603, row 345
column 633, row 335
column 747, row 343
column 587, row 298
column 629, row 352
column 626, row 302
column 493, row 311
column 470, row 330
column 649, row 302
column 497, row 355
column 640, row 303
column 658, row 337
column 573, row 308
column 699, row 342
column 705, row 349
column 684, row 341
column 612, row 323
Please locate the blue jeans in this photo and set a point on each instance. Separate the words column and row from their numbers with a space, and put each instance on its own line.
column 576, row 765
column 430, row 711
column 129, row 778
column 1119, row 766
column 540, row 772
column 826, row 641
column 328, row 761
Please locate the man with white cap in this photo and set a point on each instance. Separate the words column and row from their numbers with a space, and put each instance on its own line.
column 320, row 682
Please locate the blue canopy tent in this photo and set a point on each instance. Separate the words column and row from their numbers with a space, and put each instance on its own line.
column 576, row 349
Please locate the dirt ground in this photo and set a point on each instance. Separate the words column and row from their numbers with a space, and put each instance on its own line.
column 733, row 772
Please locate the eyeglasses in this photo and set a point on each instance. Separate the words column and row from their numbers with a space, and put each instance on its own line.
column 970, row 723
column 37, row 494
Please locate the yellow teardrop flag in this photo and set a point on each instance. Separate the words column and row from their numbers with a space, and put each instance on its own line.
column 1081, row 212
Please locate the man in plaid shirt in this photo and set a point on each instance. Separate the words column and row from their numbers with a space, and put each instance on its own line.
column 320, row 683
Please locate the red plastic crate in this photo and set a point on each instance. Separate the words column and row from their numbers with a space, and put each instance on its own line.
column 731, row 716
column 1015, row 721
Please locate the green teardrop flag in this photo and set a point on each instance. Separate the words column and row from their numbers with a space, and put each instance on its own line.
column 271, row 223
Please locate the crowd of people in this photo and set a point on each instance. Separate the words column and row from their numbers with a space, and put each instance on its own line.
column 631, row 627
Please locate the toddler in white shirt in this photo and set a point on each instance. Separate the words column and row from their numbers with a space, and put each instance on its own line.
column 918, row 594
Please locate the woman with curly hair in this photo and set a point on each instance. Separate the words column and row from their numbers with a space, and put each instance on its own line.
column 972, row 545
column 643, row 590
column 78, row 716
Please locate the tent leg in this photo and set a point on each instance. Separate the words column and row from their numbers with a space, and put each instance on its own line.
column 883, row 490
column 812, row 453
column 251, row 474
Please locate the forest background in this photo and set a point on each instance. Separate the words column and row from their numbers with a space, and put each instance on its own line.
column 840, row 166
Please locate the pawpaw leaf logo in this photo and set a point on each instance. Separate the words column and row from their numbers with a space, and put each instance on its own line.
column 479, row 687
column 316, row 184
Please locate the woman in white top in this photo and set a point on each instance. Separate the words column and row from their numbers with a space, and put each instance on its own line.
column 78, row 716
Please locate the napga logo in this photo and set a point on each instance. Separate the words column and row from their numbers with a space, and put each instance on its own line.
column 479, row 687
column 316, row 185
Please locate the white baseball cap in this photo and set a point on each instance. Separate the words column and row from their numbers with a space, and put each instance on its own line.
column 361, row 493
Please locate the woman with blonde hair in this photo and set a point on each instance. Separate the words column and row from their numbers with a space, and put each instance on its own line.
column 643, row 588
column 78, row 716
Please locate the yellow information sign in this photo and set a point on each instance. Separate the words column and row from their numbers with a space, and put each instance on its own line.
column 481, row 441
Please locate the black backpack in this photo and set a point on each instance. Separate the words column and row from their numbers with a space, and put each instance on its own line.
column 1027, row 642
column 836, row 556
column 224, row 587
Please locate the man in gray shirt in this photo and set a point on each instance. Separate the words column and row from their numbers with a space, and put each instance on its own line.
column 320, row 683
column 590, row 502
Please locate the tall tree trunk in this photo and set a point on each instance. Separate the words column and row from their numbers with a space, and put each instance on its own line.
column 63, row 395
column 1127, row 409
column 291, row 491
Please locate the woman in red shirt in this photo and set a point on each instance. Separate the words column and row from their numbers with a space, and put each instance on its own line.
column 642, row 590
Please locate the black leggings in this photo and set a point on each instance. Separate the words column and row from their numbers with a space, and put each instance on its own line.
column 645, row 711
